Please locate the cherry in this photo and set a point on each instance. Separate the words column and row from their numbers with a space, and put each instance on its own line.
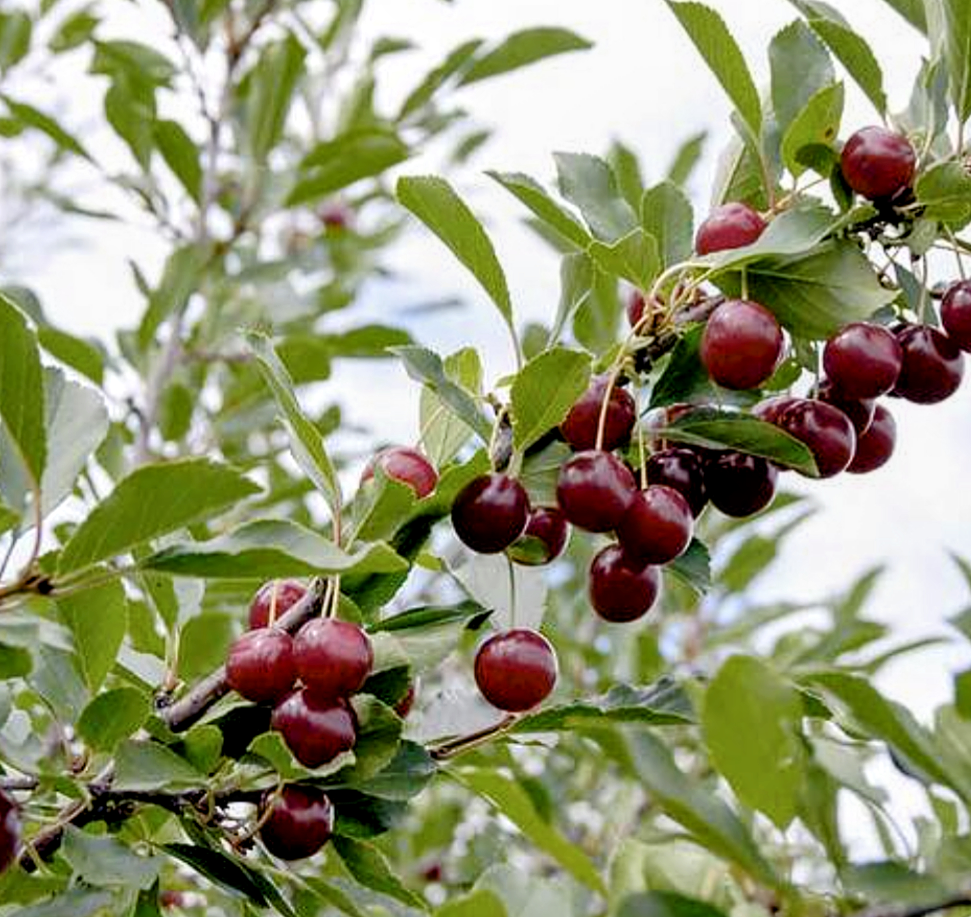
column 316, row 731
column 490, row 513
column 594, row 490
column 956, row 313
column 406, row 465
column 261, row 665
column 581, row 424
column 300, row 822
column 732, row 225
column 635, row 308
column 683, row 470
column 860, row 411
column 273, row 600
column 515, row 669
column 933, row 365
column 741, row 345
column 878, row 163
column 335, row 216
column 404, row 706
column 333, row 658
column 875, row 447
column 9, row 830
column 863, row 360
column 657, row 526
column 738, row 484
column 826, row 431
column 621, row 589
column 544, row 538
column 771, row 409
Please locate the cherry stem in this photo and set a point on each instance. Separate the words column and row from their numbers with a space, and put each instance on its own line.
column 605, row 404
column 467, row 742
column 512, row 590
column 957, row 253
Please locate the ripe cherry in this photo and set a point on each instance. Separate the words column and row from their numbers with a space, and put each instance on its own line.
column 826, row 431
column 732, row 225
column 316, row 731
column 594, row 490
column 261, row 665
column 544, row 539
column 621, row 589
column 300, row 822
column 515, row 669
column 875, row 447
column 956, row 313
column 9, row 831
column 933, row 365
column 490, row 513
column 657, row 526
column 860, row 411
column 581, row 424
column 878, row 163
column 863, row 360
column 740, row 485
column 683, row 470
column 274, row 600
column 407, row 465
column 771, row 409
column 635, row 308
column 333, row 658
column 404, row 706
column 741, row 345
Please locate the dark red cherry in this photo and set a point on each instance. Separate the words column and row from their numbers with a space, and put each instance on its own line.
column 620, row 589
column 859, row 411
column 274, row 600
column 826, row 431
column 956, row 313
column 863, row 360
column 771, row 409
column 878, row 163
column 490, row 513
column 407, row 465
column 299, row 823
column 9, row 831
column 333, row 658
column 404, row 706
column 657, row 526
column 740, row 485
column 683, row 470
column 261, row 666
column 316, row 731
column 594, row 490
column 635, row 308
column 515, row 669
column 741, row 345
column 933, row 365
column 875, row 447
column 731, row 225
column 581, row 424
column 544, row 539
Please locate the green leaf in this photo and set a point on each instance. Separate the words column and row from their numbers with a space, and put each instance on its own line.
column 684, row 376
column 337, row 164
column 481, row 903
column 693, row 567
column 913, row 11
column 180, row 279
column 801, row 66
column 665, row 904
column 626, row 167
column 98, row 621
column 16, row 27
column 949, row 24
column 514, row 802
column 429, row 616
column 75, row 902
column 816, row 126
column 270, row 548
column 456, row 60
column 73, row 31
column 945, row 191
column 150, row 502
column 369, row 867
column 222, row 869
column 746, row 698
column 444, row 433
column 633, row 257
column 521, row 49
column 80, row 354
column 687, row 157
column 666, row 215
column 529, row 191
column 106, row 861
column 434, row 202
column 33, row 117
column 715, row 43
column 590, row 184
column 893, row 884
column 203, row 644
column 576, row 287
column 112, row 717
column 271, row 84
column 131, row 110
column 147, row 766
column 181, row 155
column 544, row 391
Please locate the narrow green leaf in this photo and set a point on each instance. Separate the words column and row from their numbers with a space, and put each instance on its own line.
column 589, row 183
column 481, row 903
column 80, row 354
column 666, row 215
column 33, row 117
column 423, row 93
column 687, row 157
column 222, row 869
column 369, row 867
column 443, row 433
column 576, row 287
column 429, row 616
column 665, row 904
column 181, row 155
column 98, row 621
column 544, row 391
column 521, row 49
column 270, row 91
column 535, row 197
column 180, row 279
column 949, row 23
column 16, row 28
column 801, row 66
column 913, row 11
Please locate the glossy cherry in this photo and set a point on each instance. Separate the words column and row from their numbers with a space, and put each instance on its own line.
column 299, row 823
column 933, row 365
column 407, row 465
column 860, row 411
column 826, row 431
column 316, row 731
column 874, row 448
column 407, row 702
column 771, row 409
column 515, row 669
column 620, row 589
column 732, row 225
column 333, row 658
column 9, row 830
column 741, row 345
column 878, row 163
column 635, row 308
column 956, row 313
column 490, row 513
column 738, row 484
column 683, row 470
column 657, row 526
column 274, row 600
column 594, row 490
column 261, row 665
column 544, row 539
column 581, row 424
column 863, row 360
